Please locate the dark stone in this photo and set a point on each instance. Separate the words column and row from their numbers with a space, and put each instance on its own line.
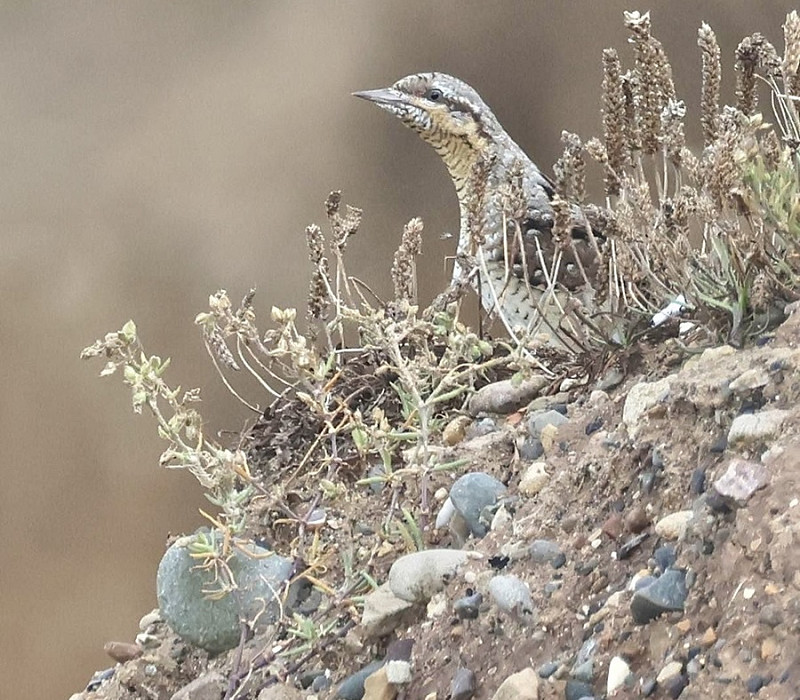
column 468, row 607
column 559, row 561
column 594, row 425
column 697, row 484
column 666, row 594
column 399, row 650
column 586, row 568
column 720, row 444
column 755, row 683
column 498, row 562
column 352, row 687
column 577, row 690
column 471, row 493
column 657, row 459
column 648, row 687
column 548, row 669
column 544, row 551
column 676, row 685
column 462, row 687
column 665, row 557
column 648, row 480
column 631, row 545
column 531, row 449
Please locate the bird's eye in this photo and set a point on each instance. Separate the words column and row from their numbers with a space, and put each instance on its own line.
column 434, row 95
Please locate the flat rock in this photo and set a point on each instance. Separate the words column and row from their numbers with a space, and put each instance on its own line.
column 523, row 685
column 538, row 421
column 666, row 594
column 383, row 611
column 209, row 686
column 741, row 480
column 417, row 576
column 674, row 525
column 755, row 427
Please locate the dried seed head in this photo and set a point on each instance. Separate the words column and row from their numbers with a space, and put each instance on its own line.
column 712, row 72
column 674, row 137
column 614, row 118
column 317, row 289
column 570, row 169
column 746, row 63
column 791, row 53
column 404, row 272
column 342, row 226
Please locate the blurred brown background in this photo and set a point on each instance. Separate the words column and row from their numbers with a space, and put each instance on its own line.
column 153, row 152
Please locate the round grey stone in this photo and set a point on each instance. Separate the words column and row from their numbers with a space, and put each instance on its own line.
column 473, row 492
column 212, row 624
column 511, row 594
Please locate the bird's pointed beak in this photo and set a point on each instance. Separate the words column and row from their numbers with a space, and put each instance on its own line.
column 388, row 97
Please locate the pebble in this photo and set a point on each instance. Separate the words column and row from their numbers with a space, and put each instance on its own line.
column 757, row 427
column 665, row 557
column 769, row 648
column 122, row 651
column 511, row 595
column 445, row 514
column 672, row 669
column 577, row 690
column 618, row 674
column 417, row 576
column 755, row 683
column 540, row 420
column 667, row 593
column 523, row 685
column 462, row 687
column 468, row 607
column 593, row 425
column 636, row 520
column 674, row 525
column 534, row 479
column 455, row 431
column 544, row 551
column 473, row 492
column 741, row 480
column 531, row 448
column 213, row 624
column 749, row 380
column 771, row 615
column 507, row 395
column 697, row 482
column 547, row 669
column 151, row 618
column 352, row 687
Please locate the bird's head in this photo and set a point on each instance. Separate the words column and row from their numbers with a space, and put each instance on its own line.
column 443, row 110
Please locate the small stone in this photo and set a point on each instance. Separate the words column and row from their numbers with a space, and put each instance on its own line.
column 417, row 576
column 540, row 420
column 672, row 669
column 755, row 683
column 719, row 445
column 676, row 685
column 648, row 687
column 612, row 527
column 771, row 615
column 151, row 618
column 209, row 686
column 455, row 431
column 122, row 651
column 523, row 685
column 741, row 480
column 548, row 669
column 667, row 593
column 534, row 479
column 697, row 482
column 577, row 690
column 511, row 595
column 636, row 520
column 530, row 449
column 584, row 672
column 462, row 687
column 548, row 438
column 674, row 525
column 709, row 638
column 749, row 380
column 446, row 513
column 618, row 674
column 665, row 557
column 281, row 691
column 544, row 551
column 769, row 648
column 593, row 425
column 507, row 395
column 611, row 378
column 352, row 687
column 471, row 494
column 468, row 607
column 378, row 687
column 757, row 427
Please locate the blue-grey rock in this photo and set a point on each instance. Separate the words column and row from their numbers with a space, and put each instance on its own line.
column 541, row 419
column 584, row 672
column 462, row 687
column 666, row 594
column 511, row 594
column 468, row 607
column 416, row 577
column 548, row 669
column 665, row 557
column 213, row 624
column 471, row 494
column 531, row 449
column 352, row 687
column 585, row 653
column 577, row 690
column 544, row 551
